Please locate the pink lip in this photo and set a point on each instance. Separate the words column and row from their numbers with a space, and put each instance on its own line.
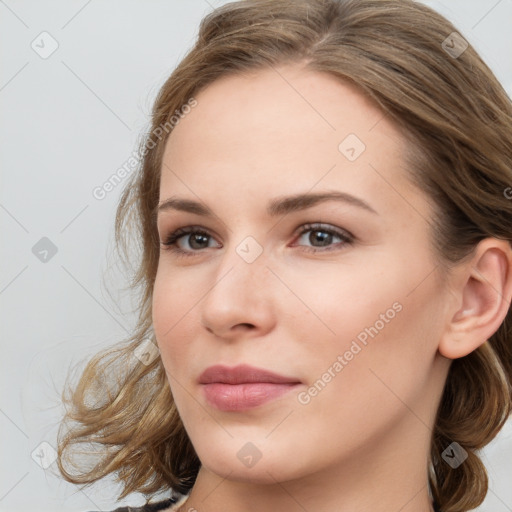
column 242, row 387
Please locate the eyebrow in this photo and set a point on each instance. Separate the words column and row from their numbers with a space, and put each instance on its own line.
column 277, row 206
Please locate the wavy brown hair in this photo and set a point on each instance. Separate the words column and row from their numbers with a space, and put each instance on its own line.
column 458, row 121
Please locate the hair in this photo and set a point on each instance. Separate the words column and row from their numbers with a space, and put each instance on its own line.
column 457, row 120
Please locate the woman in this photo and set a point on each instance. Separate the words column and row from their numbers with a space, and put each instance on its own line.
column 326, row 272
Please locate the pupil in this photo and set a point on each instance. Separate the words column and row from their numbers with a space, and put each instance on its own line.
column 322, row 237
column 197, row 238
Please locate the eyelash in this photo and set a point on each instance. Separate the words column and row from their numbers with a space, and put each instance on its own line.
column 170, row 242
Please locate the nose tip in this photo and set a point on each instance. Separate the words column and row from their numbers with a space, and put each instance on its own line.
column 239, row 303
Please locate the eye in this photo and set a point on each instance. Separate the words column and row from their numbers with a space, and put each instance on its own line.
column 191, row 240
column 193, row 236
column 324, row 236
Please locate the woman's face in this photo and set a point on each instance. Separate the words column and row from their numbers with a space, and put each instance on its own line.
column 339, row 296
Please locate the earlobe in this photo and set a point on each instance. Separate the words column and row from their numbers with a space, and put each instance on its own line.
column 484, row 291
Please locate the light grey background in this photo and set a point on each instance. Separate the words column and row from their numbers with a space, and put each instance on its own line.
column 69, row 121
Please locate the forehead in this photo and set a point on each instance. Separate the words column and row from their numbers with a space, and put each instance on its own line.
column 283, row 129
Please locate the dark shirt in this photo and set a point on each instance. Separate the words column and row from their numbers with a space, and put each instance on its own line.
column 150, row 507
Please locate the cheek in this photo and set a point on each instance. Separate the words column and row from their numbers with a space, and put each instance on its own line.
column 172, row 307
column 394, row 364
column 336, row 303
column 173, row 315
column 375, row 384
column 382, row 317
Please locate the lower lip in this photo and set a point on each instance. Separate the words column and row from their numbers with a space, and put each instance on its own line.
column 240, row 397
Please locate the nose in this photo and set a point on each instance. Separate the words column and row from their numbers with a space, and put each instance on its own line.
column 240, row 301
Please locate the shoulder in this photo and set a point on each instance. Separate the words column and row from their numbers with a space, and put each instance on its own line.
column 167, row 505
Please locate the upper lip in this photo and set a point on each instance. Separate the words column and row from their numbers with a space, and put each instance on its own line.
column 241, row 374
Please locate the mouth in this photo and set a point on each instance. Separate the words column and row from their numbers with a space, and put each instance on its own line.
column 243, row 387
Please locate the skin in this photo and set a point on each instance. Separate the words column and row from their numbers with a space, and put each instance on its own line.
column 362, row 443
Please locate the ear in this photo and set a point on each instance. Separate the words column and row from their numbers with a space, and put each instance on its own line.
column 483, row 291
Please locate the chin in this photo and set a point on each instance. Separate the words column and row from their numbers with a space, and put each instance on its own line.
column 259, row 462
column 262, row 473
